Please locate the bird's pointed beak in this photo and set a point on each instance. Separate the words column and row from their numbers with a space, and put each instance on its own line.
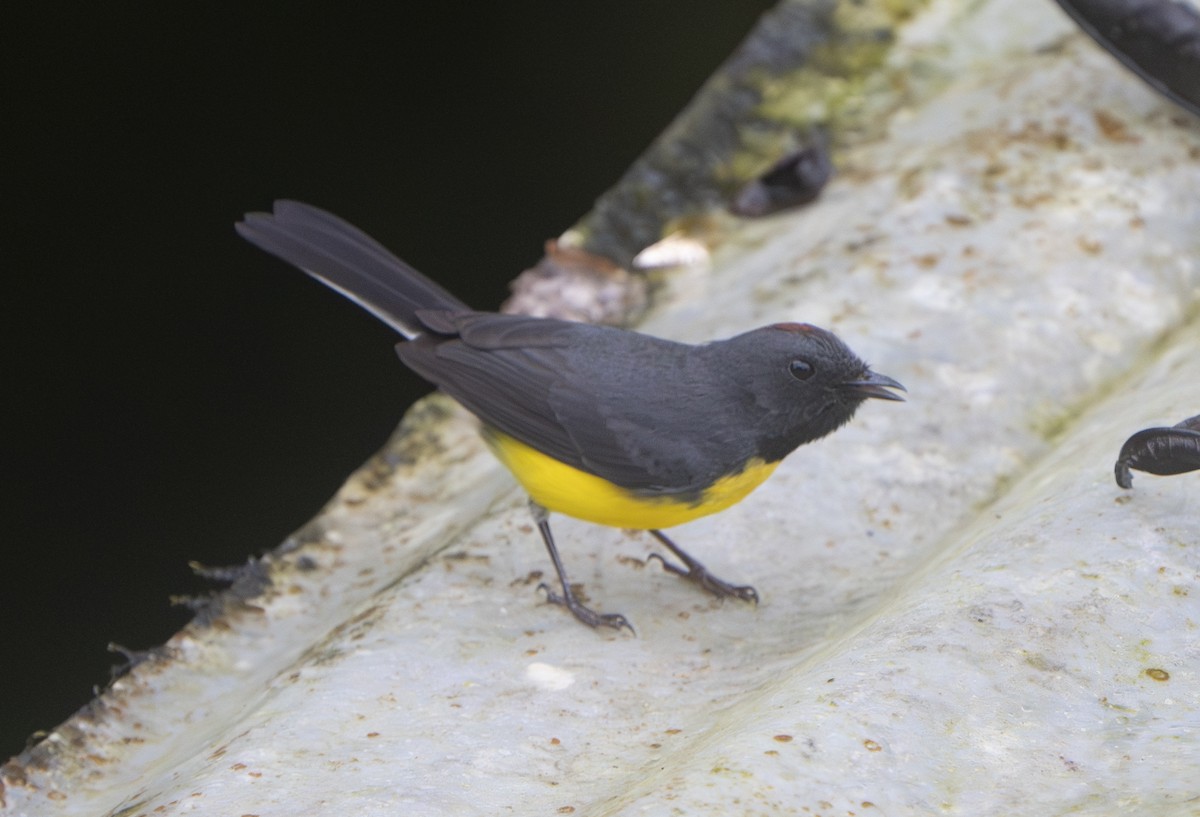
column 872, row 384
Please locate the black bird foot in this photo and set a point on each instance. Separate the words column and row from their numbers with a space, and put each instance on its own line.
column 698, row 573
column 1162, row 451
column 694, row 571
column 582, row 612
column 586, row 614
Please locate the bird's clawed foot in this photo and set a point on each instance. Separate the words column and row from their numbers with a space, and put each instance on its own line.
column 584, row 613
column 694, row 571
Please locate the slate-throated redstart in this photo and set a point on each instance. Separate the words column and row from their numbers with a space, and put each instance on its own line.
column 607, row 425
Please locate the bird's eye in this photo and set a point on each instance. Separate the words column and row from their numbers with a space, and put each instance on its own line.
column 801, row 369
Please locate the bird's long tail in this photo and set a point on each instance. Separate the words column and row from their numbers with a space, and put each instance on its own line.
column 349, row 261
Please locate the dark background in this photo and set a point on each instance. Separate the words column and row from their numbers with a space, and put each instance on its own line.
column 171, row 393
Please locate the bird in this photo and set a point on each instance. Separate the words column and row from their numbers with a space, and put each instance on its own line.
column 603, row 424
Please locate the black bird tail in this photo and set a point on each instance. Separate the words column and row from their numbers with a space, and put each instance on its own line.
column 349, row 261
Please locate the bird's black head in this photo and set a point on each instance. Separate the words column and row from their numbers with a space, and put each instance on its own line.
column 800, row 381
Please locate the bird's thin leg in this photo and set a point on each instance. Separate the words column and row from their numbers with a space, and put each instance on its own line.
column 585, row 614
column 696, row 572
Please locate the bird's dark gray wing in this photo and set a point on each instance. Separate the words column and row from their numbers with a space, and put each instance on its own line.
column 598, row 399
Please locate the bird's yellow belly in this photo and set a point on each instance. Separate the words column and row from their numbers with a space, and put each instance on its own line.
column 559, row 487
